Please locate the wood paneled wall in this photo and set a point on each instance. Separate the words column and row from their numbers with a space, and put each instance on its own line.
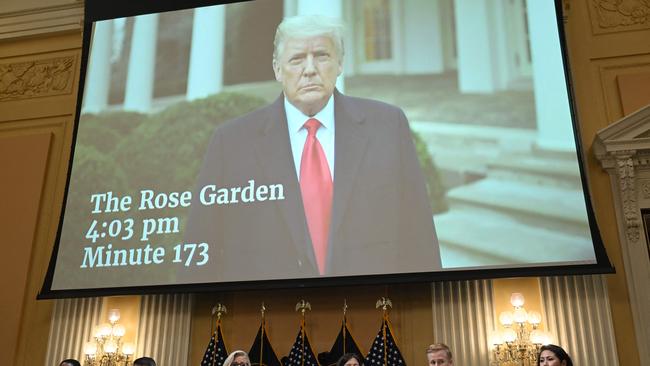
column 35, row 136
column 607, row 43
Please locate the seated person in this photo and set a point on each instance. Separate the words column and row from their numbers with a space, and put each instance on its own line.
column 439, row 355
column 237, row 358
column 144, row 361
column 552, row 355
column 349, row 359
column 69, row 362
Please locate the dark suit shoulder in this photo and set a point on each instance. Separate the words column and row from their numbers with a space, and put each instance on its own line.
column 250, row 121
column 369, row 111
column 369, row 104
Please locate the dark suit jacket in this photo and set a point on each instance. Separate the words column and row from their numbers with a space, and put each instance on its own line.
column 381, row 219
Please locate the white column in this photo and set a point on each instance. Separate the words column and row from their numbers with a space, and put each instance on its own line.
column 332, row 8
column 551, row 99
column 480, row 45
column 290, row 8
column 423, row 49
column 142, row 63
column 98, row 77
column 207, row 55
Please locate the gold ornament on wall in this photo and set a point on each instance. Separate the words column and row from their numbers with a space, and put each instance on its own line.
column 42, row 78
column 620, row 15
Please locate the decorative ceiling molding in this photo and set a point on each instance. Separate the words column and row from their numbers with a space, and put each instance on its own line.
column 53, row 19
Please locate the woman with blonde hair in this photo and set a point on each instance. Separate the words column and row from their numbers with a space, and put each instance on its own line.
column 237, row 358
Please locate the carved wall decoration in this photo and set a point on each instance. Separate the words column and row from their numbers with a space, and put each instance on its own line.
column 620, row 15
column 645, row 188
column 40, row 78
column 625, row 171
column 624, row 153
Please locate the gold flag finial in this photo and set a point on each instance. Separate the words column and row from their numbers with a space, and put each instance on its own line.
column 345, row 306
column 303, row 306
column 219, row 310
column 263, row 309
column 384, row 303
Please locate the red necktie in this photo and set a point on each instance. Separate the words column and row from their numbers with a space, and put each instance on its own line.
column 316, row 189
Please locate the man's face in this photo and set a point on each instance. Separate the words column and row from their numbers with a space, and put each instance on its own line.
column 439, row 358
column 307, row 69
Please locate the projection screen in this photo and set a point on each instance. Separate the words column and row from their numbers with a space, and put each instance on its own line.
column 445, row 147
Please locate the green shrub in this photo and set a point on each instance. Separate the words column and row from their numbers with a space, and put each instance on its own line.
column 105, row 131
column 164, row 151
column 435, row 187
column 172, row 143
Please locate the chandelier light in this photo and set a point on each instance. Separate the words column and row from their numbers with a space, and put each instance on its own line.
column 107, row 348
column 518, row 341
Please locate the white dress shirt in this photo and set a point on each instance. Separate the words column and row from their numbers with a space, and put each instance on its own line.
column 298, row 133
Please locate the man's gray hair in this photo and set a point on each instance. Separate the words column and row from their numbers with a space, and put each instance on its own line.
column 305, row 26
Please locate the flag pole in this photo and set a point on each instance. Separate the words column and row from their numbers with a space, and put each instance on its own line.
column 385, row 304
column 302, row 306
column 262, row 310
column 345, row 321
column 219, row 309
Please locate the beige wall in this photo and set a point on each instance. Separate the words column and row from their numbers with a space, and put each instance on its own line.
column 36, row 126
column 608, row 58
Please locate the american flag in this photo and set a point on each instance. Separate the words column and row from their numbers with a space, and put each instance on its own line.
column 384, row 351
column 301, row 353
column 215, row 353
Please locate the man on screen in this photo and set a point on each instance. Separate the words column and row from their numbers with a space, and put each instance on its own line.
column 353, row 200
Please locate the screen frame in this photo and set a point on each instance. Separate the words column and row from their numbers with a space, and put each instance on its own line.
column 96, row 10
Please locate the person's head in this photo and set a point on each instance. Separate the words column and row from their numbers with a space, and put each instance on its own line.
column 349, row 359
column 552, row 355
column 144, row 361
column 307, row 59
column 69, row 362
column 237, row 358
column 439, row 354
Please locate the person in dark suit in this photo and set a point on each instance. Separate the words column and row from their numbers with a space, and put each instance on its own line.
column 144, row 361
column 333, row 184
column 70, row 362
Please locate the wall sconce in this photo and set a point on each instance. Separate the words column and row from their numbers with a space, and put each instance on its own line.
column 519, row 340
column 107, row 348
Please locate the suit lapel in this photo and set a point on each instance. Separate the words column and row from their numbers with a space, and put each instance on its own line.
column 350, row 146
column 273, row 152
